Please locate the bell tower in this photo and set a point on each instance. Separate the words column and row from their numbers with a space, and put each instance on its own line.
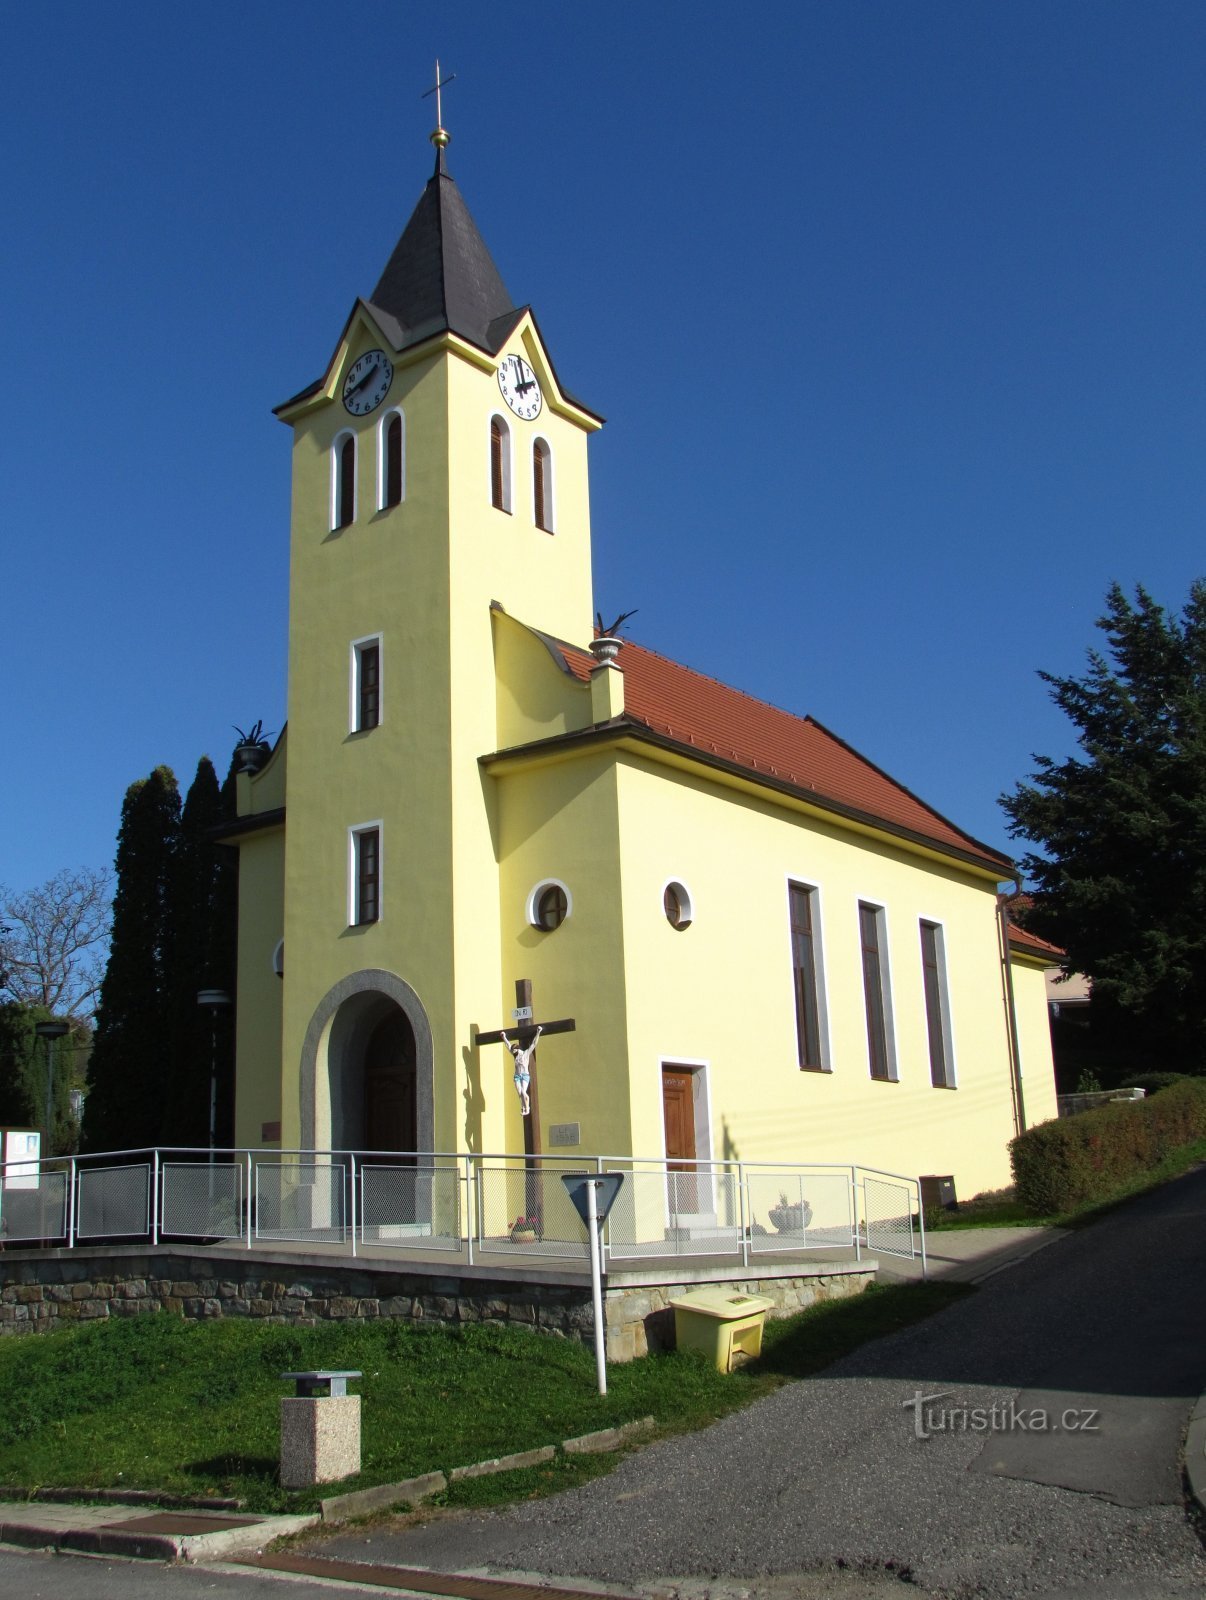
column 438, row 467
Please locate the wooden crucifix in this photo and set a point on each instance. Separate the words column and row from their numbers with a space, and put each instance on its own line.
column 521, row 1041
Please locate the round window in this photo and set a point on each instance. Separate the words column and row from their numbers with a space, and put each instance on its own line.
column 551, row 907
column 676, row 903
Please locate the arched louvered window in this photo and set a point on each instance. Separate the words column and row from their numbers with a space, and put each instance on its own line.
column 500, row 464
column 392, row 443
column 344, row 471
column 542, row 485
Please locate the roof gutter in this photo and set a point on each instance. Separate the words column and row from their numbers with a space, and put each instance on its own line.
column 1011, row 1007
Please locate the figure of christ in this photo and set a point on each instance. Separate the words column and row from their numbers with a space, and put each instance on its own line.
column 523, row 1065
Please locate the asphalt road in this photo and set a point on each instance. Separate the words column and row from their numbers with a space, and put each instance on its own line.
column 826, row 1487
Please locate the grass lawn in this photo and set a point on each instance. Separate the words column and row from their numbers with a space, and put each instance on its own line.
column 193, row 1408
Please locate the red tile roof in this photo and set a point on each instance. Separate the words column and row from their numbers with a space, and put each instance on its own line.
column 726, row 725
column 1023, row 938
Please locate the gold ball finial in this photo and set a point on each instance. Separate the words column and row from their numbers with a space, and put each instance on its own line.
column 441, row 138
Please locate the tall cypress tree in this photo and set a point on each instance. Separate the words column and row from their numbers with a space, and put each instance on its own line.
column 200, row 951
column 130, row 1053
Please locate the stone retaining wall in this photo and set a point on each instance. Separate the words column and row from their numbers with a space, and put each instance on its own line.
column 44, row 1291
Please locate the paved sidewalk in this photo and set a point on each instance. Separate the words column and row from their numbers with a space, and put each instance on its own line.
column 968, row 1255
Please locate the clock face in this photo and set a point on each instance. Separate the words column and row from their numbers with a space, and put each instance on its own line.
column 519, row 387
column 367, row 382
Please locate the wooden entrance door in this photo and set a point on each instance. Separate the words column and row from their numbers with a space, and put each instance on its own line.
column 390, row 1108
column 678, row 1114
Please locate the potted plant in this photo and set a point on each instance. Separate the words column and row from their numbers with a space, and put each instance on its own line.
column 523, row 1230
column 790, row 1216
column 253, row 748
column 605, row 646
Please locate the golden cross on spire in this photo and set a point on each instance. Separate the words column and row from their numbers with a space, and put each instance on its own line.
column 441, row 135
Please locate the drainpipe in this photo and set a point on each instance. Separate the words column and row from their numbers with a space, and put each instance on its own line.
column 1011, row 1010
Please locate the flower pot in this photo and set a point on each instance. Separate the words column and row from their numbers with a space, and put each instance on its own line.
column 790, row 1219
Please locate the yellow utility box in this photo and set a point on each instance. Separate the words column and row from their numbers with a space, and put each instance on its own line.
column 724, row 1325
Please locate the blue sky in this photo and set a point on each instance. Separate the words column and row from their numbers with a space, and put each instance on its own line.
column 895, row 311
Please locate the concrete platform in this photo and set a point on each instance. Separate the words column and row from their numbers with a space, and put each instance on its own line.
column 137, row 1532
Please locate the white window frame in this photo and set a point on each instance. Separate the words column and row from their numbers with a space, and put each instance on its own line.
column 550, row 498
column 355, row 834
column 337, row 445
column 508, row 451
column 796, row 880
column 355, row 652
column 885, row 984
column 382, row 446
column 944, row 1003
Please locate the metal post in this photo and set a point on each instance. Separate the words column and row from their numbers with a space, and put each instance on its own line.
column 154, row 1197
column 71, row 1202
column 250, row 1178
column 921, row 1229
column 352, row 1203
column 470, row 1197
column 596, row 1283
column 50, row 1031
column 742, row 1213
column 858, row 1247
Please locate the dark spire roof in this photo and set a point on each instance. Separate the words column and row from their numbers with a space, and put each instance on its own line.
column 441, row 277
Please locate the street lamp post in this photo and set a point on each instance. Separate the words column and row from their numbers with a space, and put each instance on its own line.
column 50, row 1031
column 213, row 1001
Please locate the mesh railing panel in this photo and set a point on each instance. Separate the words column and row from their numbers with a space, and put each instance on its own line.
column 36, row 1212
column 793, row 1210
column 410, row 1207
column 202, row 1202
column 528, row 1212
column 664, row 1213
column 300, row 1200
column 113, row 1202
column 888, row 1212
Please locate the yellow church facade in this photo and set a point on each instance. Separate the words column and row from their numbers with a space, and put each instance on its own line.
column 769, row 950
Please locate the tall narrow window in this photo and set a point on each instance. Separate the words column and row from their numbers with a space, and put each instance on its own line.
column 875, row 993
column 937, row 1006
column 343, row 509
column 366, row 875
column 366, row 684
column 500, row 465
column 391, row 465
column 542, row 485
column 805, row 973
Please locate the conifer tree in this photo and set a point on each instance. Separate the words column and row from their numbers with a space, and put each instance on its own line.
column 130, row 1067
column 200, row 956
column 1121, row 880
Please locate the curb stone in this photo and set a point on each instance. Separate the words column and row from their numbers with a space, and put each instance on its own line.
column 1195, row 1453
column 357, row 1503
column 339, row 1507
column 608, row 1438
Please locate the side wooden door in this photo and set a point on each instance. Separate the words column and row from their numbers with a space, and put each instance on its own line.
column 678, row 1113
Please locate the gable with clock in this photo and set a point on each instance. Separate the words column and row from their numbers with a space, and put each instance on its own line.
column 465, row 797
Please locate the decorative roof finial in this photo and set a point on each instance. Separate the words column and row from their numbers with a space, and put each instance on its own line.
column 440, row 137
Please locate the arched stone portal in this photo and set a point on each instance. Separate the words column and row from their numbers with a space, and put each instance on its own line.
column 367, row 1068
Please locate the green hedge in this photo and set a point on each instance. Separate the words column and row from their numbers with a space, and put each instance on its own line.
column 1067, row 1163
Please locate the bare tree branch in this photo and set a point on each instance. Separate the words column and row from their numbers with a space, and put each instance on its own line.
column 54, row 942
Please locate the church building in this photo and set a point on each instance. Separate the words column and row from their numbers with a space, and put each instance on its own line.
column 769, row 949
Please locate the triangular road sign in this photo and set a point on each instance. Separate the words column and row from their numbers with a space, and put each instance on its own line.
column 607, row 1187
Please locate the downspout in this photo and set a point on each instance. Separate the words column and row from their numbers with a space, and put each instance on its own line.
column 1011, row 1010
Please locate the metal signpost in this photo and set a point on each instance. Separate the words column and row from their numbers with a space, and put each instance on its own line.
column 593, row 1195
